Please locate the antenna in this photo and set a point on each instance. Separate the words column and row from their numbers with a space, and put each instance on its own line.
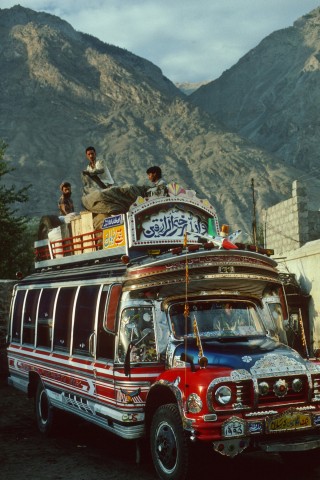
column 254, row 221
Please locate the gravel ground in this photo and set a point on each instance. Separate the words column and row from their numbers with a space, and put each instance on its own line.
column 81, row 451
column 77, row 451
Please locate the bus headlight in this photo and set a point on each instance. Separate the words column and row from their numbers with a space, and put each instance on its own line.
column 223, row 395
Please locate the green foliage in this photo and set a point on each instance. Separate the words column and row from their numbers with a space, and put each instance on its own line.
column 260, row 235
column 15, row 252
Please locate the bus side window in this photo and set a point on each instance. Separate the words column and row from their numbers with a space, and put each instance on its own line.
column 85, row 313
column 63, row 319
column 29, row 317
column 45, row 317
column 17, row 316
column 105, row 340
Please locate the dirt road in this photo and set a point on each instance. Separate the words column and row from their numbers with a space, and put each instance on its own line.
column 80, row 451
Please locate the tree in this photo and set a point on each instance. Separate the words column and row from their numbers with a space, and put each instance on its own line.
column 15, row 251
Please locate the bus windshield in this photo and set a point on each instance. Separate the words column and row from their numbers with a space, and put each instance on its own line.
column 215, row 319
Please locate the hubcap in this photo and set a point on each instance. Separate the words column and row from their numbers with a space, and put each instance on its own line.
column 166, row 447
column 43, row 404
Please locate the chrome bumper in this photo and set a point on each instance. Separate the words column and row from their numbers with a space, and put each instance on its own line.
column 300, row 445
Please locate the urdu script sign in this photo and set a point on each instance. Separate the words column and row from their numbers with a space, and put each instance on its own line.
column 172, row 224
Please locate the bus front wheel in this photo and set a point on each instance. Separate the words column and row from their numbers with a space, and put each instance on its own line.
column 169, row 447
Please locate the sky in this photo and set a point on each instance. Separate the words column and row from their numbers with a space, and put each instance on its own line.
column 190, row 40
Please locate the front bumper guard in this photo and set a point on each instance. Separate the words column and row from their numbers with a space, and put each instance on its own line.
column 299, row 445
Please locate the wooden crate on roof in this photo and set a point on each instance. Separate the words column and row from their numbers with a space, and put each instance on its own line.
column 83, row 233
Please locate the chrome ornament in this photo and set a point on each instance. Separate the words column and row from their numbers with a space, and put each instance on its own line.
column 247, row 359
column 194, row 403
column 280, row 388
column 297, row 385
column 272, row 364
column 263, row 388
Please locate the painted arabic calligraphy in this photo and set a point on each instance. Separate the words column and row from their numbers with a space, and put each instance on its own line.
column 114, row 237
column 290, row 421
column 173, row 223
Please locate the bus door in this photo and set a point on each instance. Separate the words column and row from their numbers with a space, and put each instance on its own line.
column 105, row 349
column 137, row 359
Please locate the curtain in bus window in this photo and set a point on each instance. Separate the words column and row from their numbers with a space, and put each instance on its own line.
column 276, row 314
column 45, row 317
column 63, row 319
column 84, row 318
column 17, row 316
column 29, row 317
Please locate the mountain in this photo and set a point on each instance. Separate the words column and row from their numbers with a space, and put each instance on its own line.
column 272, row 95
column 62, row 90
column 189, row 87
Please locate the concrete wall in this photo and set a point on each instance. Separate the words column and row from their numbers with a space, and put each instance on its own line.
column 289, row 224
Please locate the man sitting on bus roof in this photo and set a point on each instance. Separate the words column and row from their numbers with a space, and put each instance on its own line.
column 159, row 187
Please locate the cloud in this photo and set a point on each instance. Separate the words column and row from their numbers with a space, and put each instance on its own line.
column 188, row 40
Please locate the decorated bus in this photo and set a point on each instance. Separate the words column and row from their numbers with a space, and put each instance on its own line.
column 160, row 325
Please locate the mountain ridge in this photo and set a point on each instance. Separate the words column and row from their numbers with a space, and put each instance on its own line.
column 272, row 94
column 64, row 91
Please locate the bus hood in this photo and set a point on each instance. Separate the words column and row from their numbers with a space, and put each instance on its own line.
column 242, row 353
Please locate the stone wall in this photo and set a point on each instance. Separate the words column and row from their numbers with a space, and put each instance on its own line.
column 5, row 300
column 289, row 224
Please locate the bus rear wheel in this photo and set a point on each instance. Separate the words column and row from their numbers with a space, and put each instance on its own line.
column 44, row 411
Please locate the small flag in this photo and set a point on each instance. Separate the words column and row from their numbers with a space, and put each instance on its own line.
column 211, row 228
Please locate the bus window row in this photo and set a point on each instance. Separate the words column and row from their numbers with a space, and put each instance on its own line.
column 63, row 319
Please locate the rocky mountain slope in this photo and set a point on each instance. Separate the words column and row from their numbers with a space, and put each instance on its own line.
column 62, row 90
column 272, row 95
column 189, row 87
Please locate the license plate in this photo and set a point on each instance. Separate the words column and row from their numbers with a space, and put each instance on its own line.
column 289, row 421
column 234, row 427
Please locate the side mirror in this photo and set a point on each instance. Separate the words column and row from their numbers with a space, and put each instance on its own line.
column 272, row 334
column 127, row 364
column 188, row 359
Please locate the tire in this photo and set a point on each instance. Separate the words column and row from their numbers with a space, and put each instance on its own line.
column 169, row 446
column 44, row 411
column 48, row 222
